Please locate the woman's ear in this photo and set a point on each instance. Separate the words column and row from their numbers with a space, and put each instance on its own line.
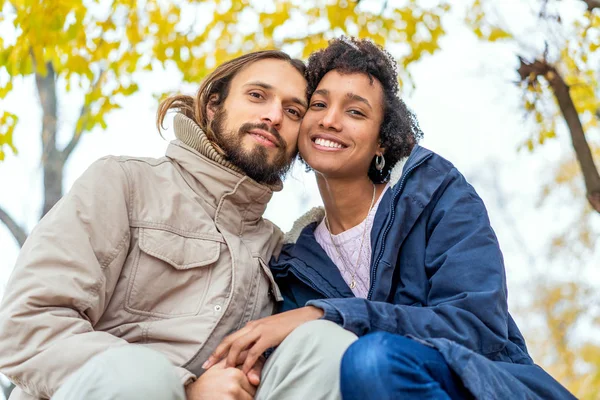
column 211, row 107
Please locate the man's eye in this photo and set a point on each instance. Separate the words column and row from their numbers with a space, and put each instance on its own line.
column 256, row 95
column 296, row 114
column 318, row 105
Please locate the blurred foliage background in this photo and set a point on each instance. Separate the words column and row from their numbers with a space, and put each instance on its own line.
column 103, row 51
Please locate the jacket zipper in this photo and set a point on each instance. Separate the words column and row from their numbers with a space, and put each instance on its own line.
column 388, row 226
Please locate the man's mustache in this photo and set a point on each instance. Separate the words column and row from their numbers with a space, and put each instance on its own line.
column 248, row 126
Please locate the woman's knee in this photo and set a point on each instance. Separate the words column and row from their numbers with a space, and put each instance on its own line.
column 366, row 357
column 366, row 368
column 379, row 354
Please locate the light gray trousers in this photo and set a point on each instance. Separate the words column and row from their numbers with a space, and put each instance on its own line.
column 305, row 366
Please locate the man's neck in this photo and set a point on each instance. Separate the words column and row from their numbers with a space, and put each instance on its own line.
column 192, row 135
column 347, row 201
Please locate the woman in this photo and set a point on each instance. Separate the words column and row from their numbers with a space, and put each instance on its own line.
column 402, row 255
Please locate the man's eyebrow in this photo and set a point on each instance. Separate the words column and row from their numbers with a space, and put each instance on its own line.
column 300, row 102
column 322, row 92
column 353, row 96
column 269, row 87
column 260, row 84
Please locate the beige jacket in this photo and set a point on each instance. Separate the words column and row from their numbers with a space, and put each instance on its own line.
column 167, row 253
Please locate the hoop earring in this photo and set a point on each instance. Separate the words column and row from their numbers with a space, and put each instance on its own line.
column 379, row 162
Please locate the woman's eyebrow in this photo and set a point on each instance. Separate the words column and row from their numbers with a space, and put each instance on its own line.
column 355, row 97
column 350, row 95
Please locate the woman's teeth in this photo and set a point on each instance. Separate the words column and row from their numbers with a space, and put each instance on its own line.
column 327, row 143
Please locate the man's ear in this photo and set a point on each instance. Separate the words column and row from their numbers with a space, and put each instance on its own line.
column 211, row 107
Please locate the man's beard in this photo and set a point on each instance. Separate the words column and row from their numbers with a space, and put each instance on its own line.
column 255, row 163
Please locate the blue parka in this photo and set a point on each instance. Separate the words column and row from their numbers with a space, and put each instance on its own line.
column 437, row 275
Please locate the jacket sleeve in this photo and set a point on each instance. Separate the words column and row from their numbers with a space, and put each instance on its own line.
column 467, row 300
column 63, row 280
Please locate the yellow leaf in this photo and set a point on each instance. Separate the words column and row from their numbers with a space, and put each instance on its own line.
column 6, row 89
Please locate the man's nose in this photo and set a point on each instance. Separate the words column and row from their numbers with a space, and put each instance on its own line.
column 273, row 116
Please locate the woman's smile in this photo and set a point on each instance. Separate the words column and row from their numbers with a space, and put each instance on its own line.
column 327, row 142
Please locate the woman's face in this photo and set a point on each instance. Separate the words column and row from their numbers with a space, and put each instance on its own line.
column 339, row 135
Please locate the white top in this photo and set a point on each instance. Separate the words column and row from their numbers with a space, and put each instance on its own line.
column 348, row 244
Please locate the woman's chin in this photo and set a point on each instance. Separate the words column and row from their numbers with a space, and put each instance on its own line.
column 328, row 164
column 328, row 170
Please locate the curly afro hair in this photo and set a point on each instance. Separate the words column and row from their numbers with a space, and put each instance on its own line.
column 399, row 130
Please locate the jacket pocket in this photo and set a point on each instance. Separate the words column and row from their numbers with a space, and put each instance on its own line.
column 171, row 273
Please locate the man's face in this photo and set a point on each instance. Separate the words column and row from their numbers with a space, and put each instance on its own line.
column 257, row 125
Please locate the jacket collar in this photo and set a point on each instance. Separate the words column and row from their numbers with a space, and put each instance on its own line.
column 417, row 155
column 316, row 265
column 212, row 176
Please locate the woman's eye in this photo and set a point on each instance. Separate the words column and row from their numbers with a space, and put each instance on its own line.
column 256, row 95
column 318, row 105
column 356, row 112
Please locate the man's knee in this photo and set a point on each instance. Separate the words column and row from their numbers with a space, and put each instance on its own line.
column 137, row 370
column 307, row 363
column 327, row 333
column 127, row 372
column 315, row 347
column 321, row 338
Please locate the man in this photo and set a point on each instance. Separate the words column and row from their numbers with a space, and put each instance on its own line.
column 127, row 285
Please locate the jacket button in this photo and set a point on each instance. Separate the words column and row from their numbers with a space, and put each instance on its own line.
column 217, row 308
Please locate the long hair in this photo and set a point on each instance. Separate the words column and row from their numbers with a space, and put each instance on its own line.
column 217, row 82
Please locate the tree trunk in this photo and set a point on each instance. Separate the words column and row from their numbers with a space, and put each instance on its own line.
column 52, row 160
column 14, row 228
column 591, row 176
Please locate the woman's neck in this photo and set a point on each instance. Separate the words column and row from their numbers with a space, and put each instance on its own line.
column 347, row 202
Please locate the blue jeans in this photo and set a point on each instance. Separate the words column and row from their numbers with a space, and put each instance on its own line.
column 387, row 366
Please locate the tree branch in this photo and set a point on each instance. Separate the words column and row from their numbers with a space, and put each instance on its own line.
column 529, row 72
column 592, row 4
column 66, row 152
column 14, row 228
